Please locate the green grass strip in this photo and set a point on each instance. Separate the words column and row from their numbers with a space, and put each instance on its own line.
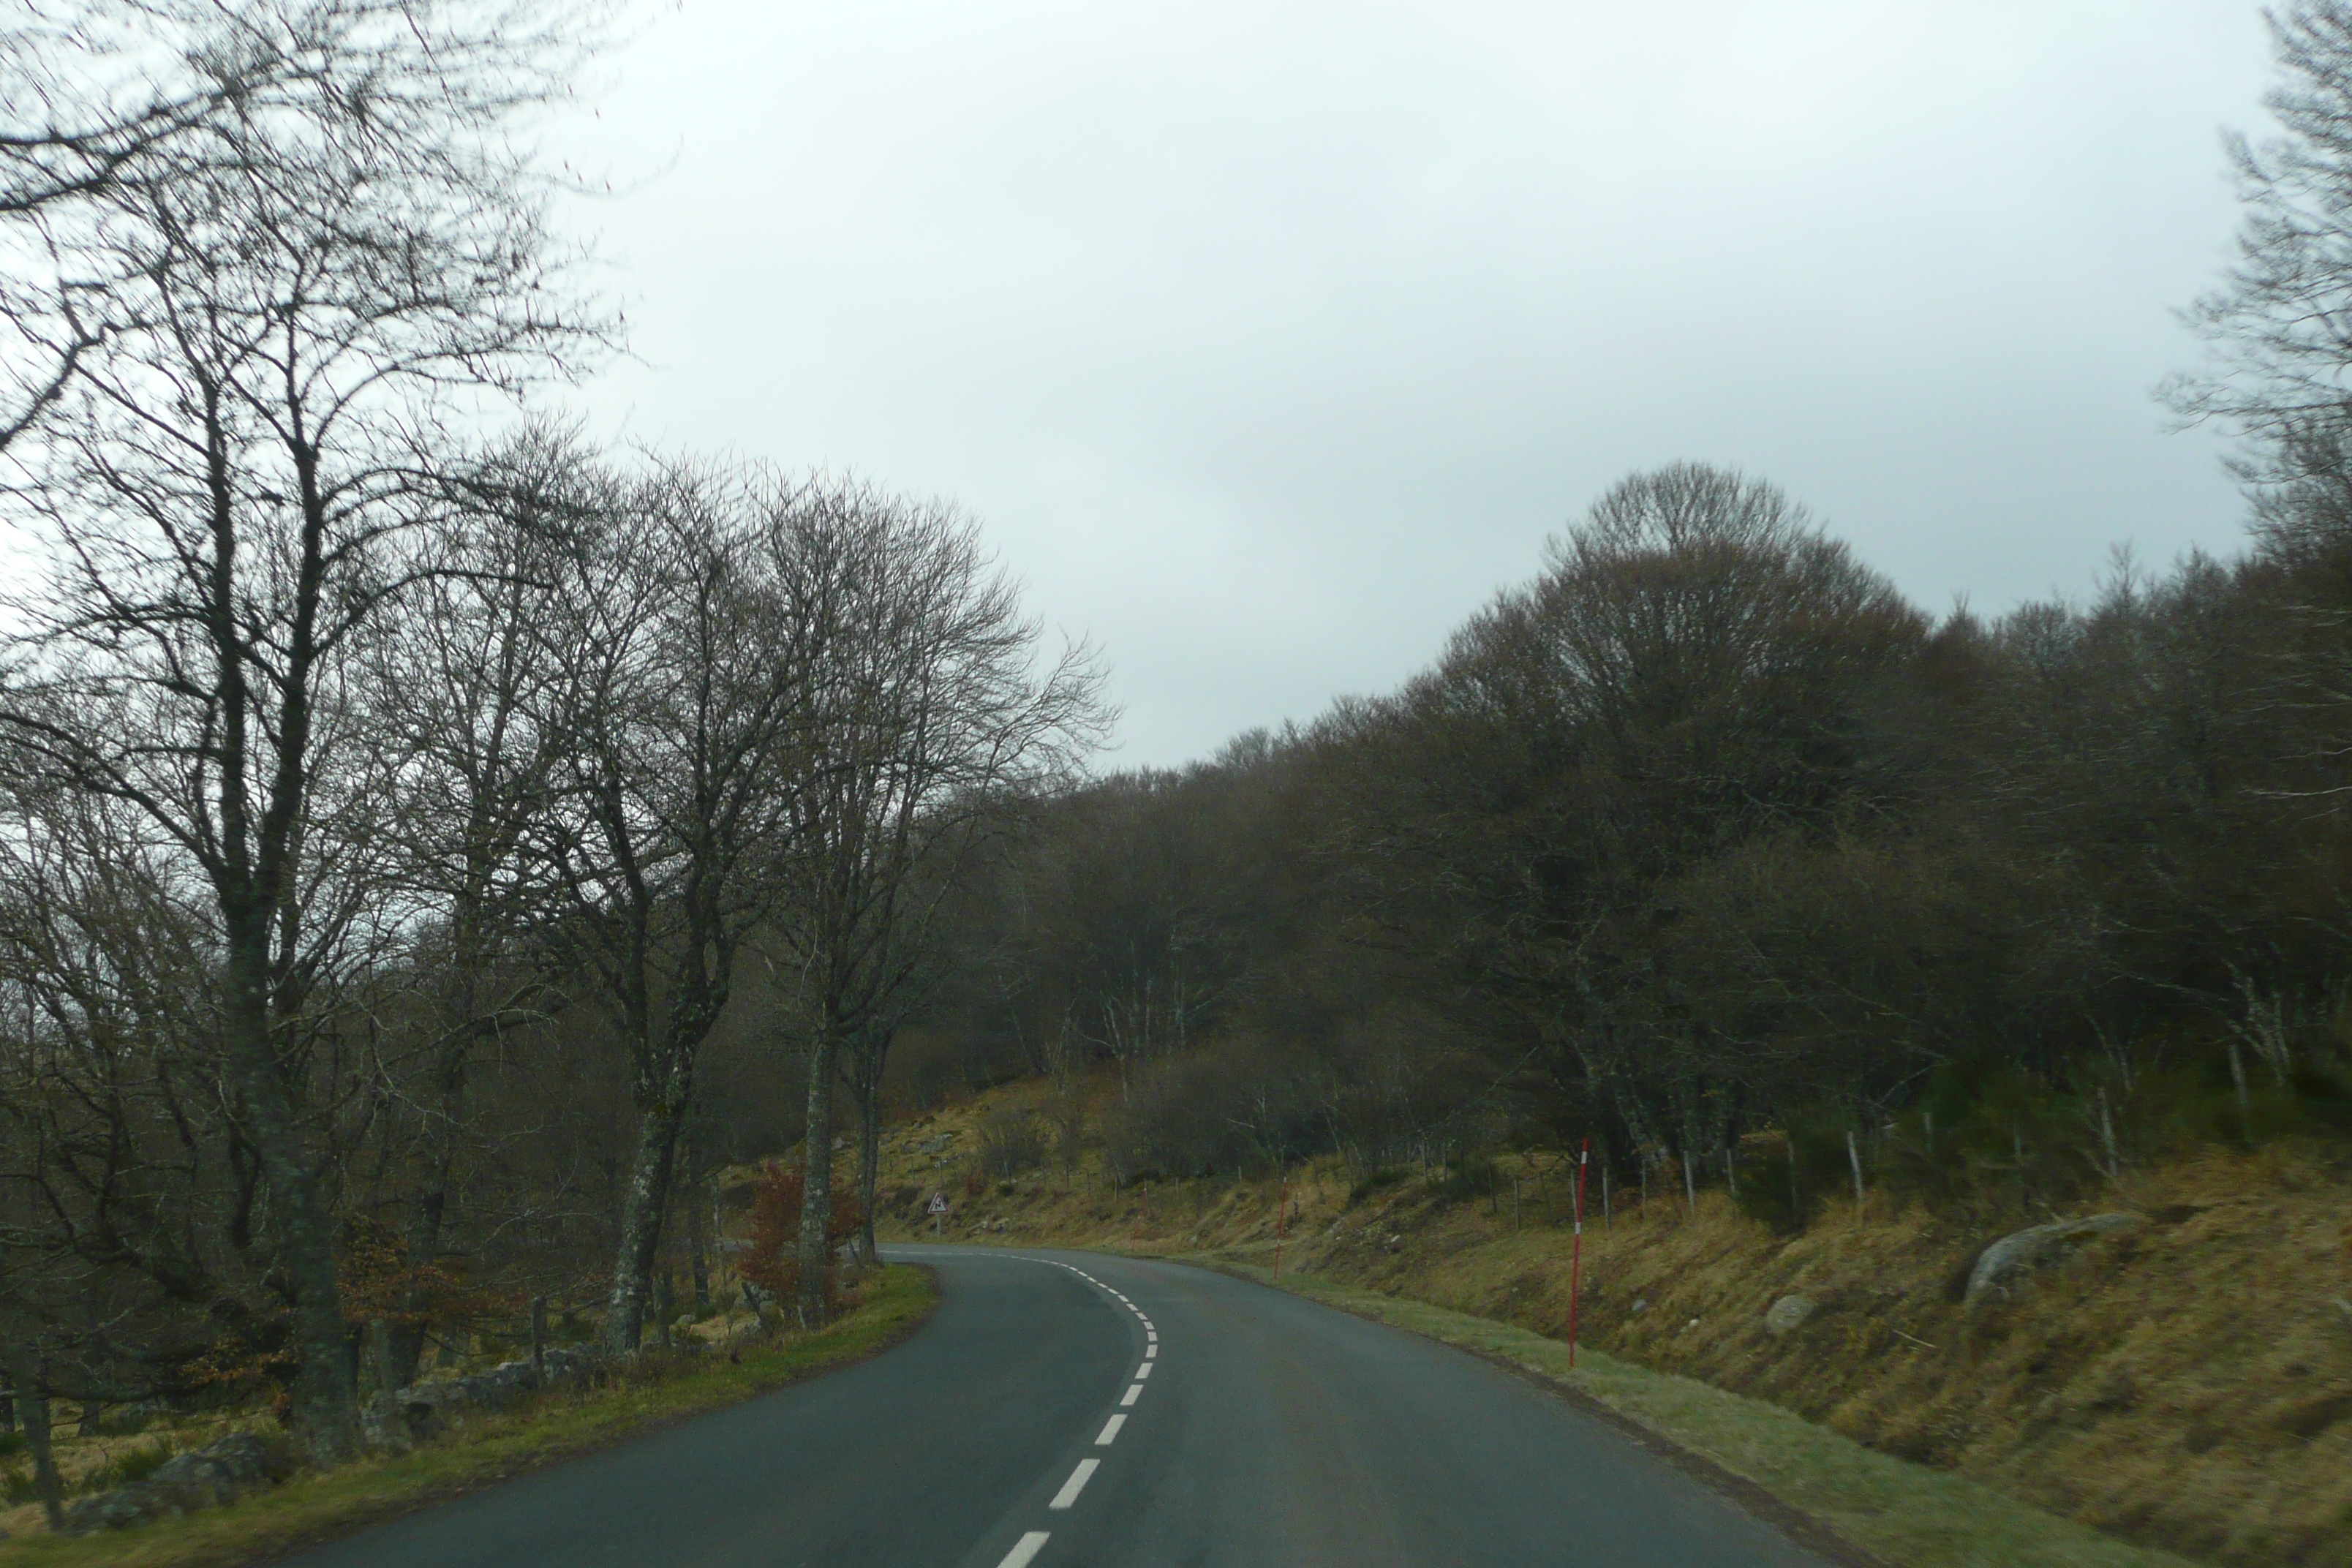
column 319, row 1506
column 1904, row 1513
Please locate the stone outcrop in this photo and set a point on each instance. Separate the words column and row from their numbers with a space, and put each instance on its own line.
column 2008, row 1265
column 1786, row 1314
column 221, row 1471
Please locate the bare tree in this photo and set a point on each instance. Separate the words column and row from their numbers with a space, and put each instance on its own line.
column 456, row 686
column 684, row 672
column 2278, row 328
column 91, row 93
column 285, row 316
column 932, row 703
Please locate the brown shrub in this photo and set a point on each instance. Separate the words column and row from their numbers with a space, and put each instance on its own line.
column 772, row 1261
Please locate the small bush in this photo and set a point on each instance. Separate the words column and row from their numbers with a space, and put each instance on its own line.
column 1011, row 1142
column 1821, row 1168
column 11, row 1442
column 1386, row 1176
column 133, row 1465
column 1469, row 1176
column 20, row 1488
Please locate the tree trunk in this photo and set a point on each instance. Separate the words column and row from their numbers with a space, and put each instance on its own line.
column 870, row 1157
column 404, row 1343
column 697, row 1243
column 816, row 1186
column 33, row 1408
column 641, row 1220
column 326, row 1408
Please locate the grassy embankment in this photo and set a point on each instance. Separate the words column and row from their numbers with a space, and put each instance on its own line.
column 2185, row 1387
column 557, row 1426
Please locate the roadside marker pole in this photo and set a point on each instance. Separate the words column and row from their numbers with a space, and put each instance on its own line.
column 1575, row 1248
column 1281, row 1214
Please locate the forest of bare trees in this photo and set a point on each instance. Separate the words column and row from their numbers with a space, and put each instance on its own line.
column 432, row 847
column 1706, row 838
column 1705, row 832
column 404, row 806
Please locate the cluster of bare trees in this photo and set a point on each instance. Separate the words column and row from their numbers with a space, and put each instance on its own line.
column 1706, row 833
column 1707, row 830
column 392, row 811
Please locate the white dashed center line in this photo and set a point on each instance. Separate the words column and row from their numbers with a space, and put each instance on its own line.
column 1076, row 1484
column 1024, row 1551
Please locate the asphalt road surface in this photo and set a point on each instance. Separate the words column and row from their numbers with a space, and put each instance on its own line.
column 1064, row 1409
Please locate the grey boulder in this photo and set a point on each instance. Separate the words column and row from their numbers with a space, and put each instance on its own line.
column 2008, row 1265
column 1787, row 1313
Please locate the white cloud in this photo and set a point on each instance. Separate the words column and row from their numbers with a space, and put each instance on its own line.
column 1268, row 340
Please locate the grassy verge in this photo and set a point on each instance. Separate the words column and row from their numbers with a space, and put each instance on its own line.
column 314, row 1508
column 1904, row 1513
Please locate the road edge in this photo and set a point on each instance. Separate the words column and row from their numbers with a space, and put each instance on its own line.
column 1803, row 1529
column 1977, row 1543
column 214, row 1539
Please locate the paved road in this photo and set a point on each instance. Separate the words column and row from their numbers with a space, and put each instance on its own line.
column 1064, row 1409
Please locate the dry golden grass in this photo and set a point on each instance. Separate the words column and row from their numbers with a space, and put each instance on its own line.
column 2186, row 1385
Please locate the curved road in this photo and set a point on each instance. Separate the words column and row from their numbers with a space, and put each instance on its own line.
column 1068, row 1409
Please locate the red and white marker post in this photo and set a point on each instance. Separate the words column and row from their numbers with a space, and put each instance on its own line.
column 1575, row 1248
column 1281, row 1215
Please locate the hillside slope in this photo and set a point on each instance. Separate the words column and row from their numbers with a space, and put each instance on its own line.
column 2186, row 1383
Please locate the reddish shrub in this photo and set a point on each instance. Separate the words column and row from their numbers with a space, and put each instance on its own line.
column 772, row 1261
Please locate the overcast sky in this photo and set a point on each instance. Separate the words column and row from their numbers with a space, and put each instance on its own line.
column 1267, row 341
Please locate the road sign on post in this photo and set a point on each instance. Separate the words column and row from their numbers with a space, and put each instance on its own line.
column 939, row 1216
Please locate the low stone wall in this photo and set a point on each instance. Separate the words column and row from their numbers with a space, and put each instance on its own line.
column 221, row 1471
column 390, row 1423
column 397, row 1420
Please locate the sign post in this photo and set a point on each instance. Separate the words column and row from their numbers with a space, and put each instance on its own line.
column 939, row 1216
